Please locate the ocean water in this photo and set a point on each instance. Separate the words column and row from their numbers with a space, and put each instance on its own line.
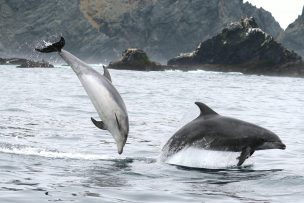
column 50, row 151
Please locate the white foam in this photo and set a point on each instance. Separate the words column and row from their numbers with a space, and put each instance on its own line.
column 31, row 151
column 170, row 70
column 200, row 158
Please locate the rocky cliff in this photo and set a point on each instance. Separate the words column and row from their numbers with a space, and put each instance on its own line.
column 243, row 47
column 292, row 37
column 99, row 29
column 165, row 28
column 24, row 22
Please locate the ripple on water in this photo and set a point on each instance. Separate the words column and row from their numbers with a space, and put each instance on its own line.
column 50, row 150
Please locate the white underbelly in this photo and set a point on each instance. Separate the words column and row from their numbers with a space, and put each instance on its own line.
column 100, row 96
column 201, row 158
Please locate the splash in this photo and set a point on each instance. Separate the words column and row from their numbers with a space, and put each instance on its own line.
column 200, row 158
column 198, row 71
column 39, row 43
column 173, row 71
column 46, row 43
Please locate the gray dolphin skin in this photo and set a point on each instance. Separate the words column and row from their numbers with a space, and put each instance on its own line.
column 104, row 96
column 211, row 131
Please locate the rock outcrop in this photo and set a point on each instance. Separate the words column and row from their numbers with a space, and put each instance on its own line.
column 101, row 29
column 25, row 63
column 135, row 59
column 12, row 61
column 292, row 37
column 245, row 48
column 35, row 64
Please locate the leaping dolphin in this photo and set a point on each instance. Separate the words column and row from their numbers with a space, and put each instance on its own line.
column 211, row 131
column 104, row 96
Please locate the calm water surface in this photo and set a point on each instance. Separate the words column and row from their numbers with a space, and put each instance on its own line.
column 50, row 151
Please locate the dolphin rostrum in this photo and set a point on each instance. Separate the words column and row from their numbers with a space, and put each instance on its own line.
column 104, row 96
column 211, row 131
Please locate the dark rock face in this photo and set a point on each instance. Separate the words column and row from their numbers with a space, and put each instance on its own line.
column 25, row 63
column 243, row 47
column 28, row 21
column 94, row 32
column 12, row 61
column 166, row 28
column 35, row 64
column 135, row 59
column 292, row 37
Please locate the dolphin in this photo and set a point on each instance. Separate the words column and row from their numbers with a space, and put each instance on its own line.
column 211, row 131
column 104, row 96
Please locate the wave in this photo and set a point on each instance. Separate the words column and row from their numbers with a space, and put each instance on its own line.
column 14, row 110
column 215, row 72
column 32, row 151
column 54, row 154
column 198, row 71
column 171, row 70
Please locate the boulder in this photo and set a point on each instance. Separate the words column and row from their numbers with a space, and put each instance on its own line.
column 25, row 63
column 35, row 64
column 135, row 59
column 242, row 47
column 12, row 61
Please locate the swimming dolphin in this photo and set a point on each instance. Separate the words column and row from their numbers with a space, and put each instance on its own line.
column 105, row 98
column 211, row 131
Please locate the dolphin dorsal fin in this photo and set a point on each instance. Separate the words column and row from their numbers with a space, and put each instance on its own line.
column 106, row 73
column 205, row 110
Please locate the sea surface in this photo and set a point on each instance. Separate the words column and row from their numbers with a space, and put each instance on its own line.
column 51, row 152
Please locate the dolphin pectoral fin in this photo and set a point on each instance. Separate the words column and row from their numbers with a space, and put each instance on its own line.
column 99, row 124
column 245, row 154
column 106, row 74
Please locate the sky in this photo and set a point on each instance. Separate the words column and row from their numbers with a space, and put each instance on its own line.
column 284, row 11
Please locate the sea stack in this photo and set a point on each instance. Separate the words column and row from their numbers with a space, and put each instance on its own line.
column 242, row 47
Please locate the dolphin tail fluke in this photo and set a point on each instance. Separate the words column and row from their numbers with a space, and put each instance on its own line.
column 55, row 47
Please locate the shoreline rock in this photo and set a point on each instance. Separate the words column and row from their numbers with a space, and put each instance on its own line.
column 136, row 59
column 35, row 64
column 242, row 47
column 12, row 61
column 25, row 63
